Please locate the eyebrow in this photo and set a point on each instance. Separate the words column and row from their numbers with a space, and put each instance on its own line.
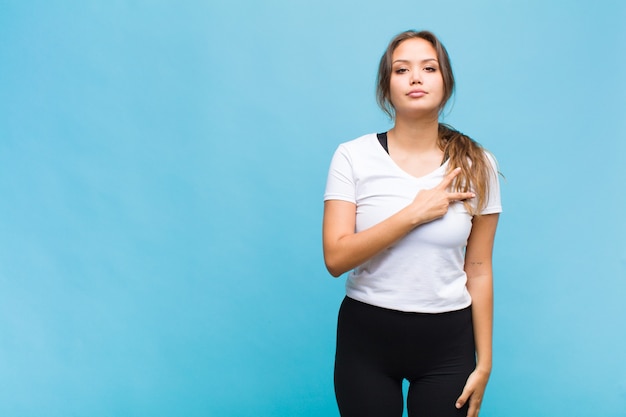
column 422, row 61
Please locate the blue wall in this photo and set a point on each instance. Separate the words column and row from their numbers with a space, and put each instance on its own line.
column 162, row 166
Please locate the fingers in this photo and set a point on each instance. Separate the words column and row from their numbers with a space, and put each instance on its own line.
column 460, row 402
column 473, row 410
column 474, row 404
column 473, row 393
column 460, row 196
column 448, row 178
column 447, row 181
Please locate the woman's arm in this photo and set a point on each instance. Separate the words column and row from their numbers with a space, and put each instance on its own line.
column 478, row 267
column 344, row 249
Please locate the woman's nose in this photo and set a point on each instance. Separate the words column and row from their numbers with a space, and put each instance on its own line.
column 415, row 80
column 416, row 77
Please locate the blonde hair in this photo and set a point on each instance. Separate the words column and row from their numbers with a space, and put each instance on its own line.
column 462, row 151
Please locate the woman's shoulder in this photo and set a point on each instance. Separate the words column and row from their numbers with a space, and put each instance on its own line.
column 361, row 140
column 361, row 144
column 491, row 158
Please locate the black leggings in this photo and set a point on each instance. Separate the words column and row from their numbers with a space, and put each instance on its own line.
column 378, row 348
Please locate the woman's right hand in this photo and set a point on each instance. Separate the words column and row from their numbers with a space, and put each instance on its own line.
column 432, row 204
column 345, row 249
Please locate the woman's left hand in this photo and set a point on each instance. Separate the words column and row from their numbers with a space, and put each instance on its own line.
column 473, row 392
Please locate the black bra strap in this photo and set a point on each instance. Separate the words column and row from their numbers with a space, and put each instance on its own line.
column 382, row 138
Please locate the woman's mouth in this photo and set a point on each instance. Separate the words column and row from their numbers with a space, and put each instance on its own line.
column 416, row 93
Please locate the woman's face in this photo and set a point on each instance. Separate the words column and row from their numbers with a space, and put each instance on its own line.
column 416, row 85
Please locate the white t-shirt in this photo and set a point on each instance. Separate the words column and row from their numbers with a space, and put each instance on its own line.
column 423, row 271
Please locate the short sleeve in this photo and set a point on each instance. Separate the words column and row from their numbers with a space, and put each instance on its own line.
column 340, row 184
column 494, row 204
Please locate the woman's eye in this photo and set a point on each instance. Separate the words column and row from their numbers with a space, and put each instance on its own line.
column 401, row 70
column 430, row 69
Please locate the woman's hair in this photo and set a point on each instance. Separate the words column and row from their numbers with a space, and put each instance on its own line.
column 462, row 151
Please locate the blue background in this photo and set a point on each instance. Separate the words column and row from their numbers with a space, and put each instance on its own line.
column 162, row 166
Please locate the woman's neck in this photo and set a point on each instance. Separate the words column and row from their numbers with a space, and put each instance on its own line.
column 415, row 135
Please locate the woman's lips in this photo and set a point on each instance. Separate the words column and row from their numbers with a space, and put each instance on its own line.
column 416, row 93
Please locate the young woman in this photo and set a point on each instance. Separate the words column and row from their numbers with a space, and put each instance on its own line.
column 412, row 213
